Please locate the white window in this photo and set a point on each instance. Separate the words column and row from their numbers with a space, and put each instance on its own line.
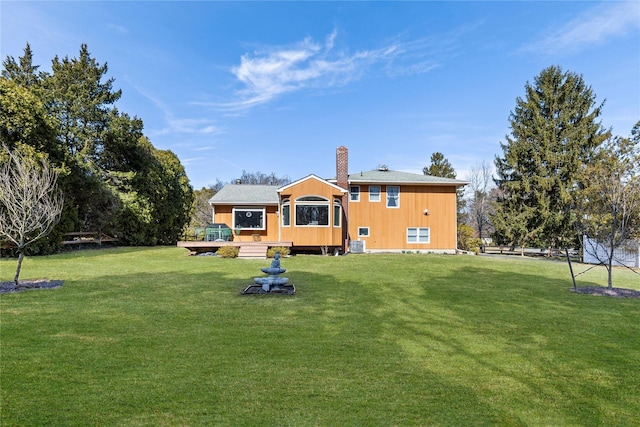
column 393, row 196
column 312, row 211
column 337, row 212
column 286, row 213
column 354, row 193
column 363, row 231
column 374, row 193
column 418, row 235
column 248, row 218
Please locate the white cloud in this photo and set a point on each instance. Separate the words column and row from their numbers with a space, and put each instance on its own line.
column 180, row 125
column 595, row 26
column 117, row 28
column 270, row 73
column 191, row 160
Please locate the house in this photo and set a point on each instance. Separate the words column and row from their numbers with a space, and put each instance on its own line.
column 372, row 211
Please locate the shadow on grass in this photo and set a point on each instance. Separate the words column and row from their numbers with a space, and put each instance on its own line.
column 463, row 346
column 523, row 344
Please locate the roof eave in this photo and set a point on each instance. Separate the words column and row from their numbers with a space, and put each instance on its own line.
column 241, row 203
column 386, row 182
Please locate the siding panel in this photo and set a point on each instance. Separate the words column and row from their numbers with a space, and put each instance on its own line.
column 388, row 226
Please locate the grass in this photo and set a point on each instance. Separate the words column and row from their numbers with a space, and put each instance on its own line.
column 139, row 337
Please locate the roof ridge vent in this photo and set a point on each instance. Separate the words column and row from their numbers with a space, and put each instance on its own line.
column 383, row 168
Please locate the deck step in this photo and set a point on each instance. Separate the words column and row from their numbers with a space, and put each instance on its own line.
column 253, row 251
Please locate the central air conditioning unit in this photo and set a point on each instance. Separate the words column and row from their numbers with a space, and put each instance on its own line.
column 356, row 247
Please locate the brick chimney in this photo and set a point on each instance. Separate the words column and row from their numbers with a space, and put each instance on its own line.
column 342, row 180
column 342, row 167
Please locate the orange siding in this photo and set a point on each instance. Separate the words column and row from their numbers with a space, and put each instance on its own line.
column 388, row 226
column 224, row 214
column 310, row 235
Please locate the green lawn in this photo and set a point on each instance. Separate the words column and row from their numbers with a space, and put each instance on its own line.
column 154, row 337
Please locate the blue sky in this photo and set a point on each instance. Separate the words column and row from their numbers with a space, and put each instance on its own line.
column 278, row 86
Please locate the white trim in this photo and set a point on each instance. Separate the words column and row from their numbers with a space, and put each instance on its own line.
column 418, row 242
column 354, row 193
column 312, row 176
column 263, row 209
column 386, row 191
column 287, row 204
column 337, row 204
column 379, row 194
column 326, row 204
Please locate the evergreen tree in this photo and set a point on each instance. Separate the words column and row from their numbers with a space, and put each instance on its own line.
column 24, row 120
column 113, row 179
column 441, row 167
column 172, row 197
column 23, row 72
column 81, row 102
column 554, row 132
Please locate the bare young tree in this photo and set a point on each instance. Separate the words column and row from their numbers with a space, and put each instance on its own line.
column 612, row 200
column 30, row 203
column 480, row 184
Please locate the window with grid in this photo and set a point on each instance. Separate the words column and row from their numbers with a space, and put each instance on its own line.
column 374, row 193
column 354, row 193
column 418, row 235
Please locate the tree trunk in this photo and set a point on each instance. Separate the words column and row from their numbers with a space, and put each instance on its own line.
column 612, row 248
column 20, row 257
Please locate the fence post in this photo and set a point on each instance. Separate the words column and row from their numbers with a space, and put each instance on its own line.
column 566, row 251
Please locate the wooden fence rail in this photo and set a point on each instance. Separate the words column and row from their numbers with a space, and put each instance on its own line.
column 87, row 237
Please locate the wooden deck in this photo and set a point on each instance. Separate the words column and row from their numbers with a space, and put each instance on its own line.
column 257, row 250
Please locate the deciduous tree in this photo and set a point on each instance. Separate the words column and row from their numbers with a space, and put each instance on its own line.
column 612, row 200
column 30, row 204
column 259, row 178
column 479, row 205
column 113, row 179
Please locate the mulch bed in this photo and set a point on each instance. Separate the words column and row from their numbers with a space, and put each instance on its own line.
column 7, row 287
column 606, row 292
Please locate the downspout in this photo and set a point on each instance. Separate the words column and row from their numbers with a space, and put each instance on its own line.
column 278, row 213
column 456, row 222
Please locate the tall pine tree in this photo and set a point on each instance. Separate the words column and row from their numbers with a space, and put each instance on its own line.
column 113, row 178
column 554, row 134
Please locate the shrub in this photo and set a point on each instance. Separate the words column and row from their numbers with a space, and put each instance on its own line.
column 466, row 239
column 228, row 251
column 284, row 251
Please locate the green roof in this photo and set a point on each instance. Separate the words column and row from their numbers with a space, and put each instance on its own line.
column 237, row 194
